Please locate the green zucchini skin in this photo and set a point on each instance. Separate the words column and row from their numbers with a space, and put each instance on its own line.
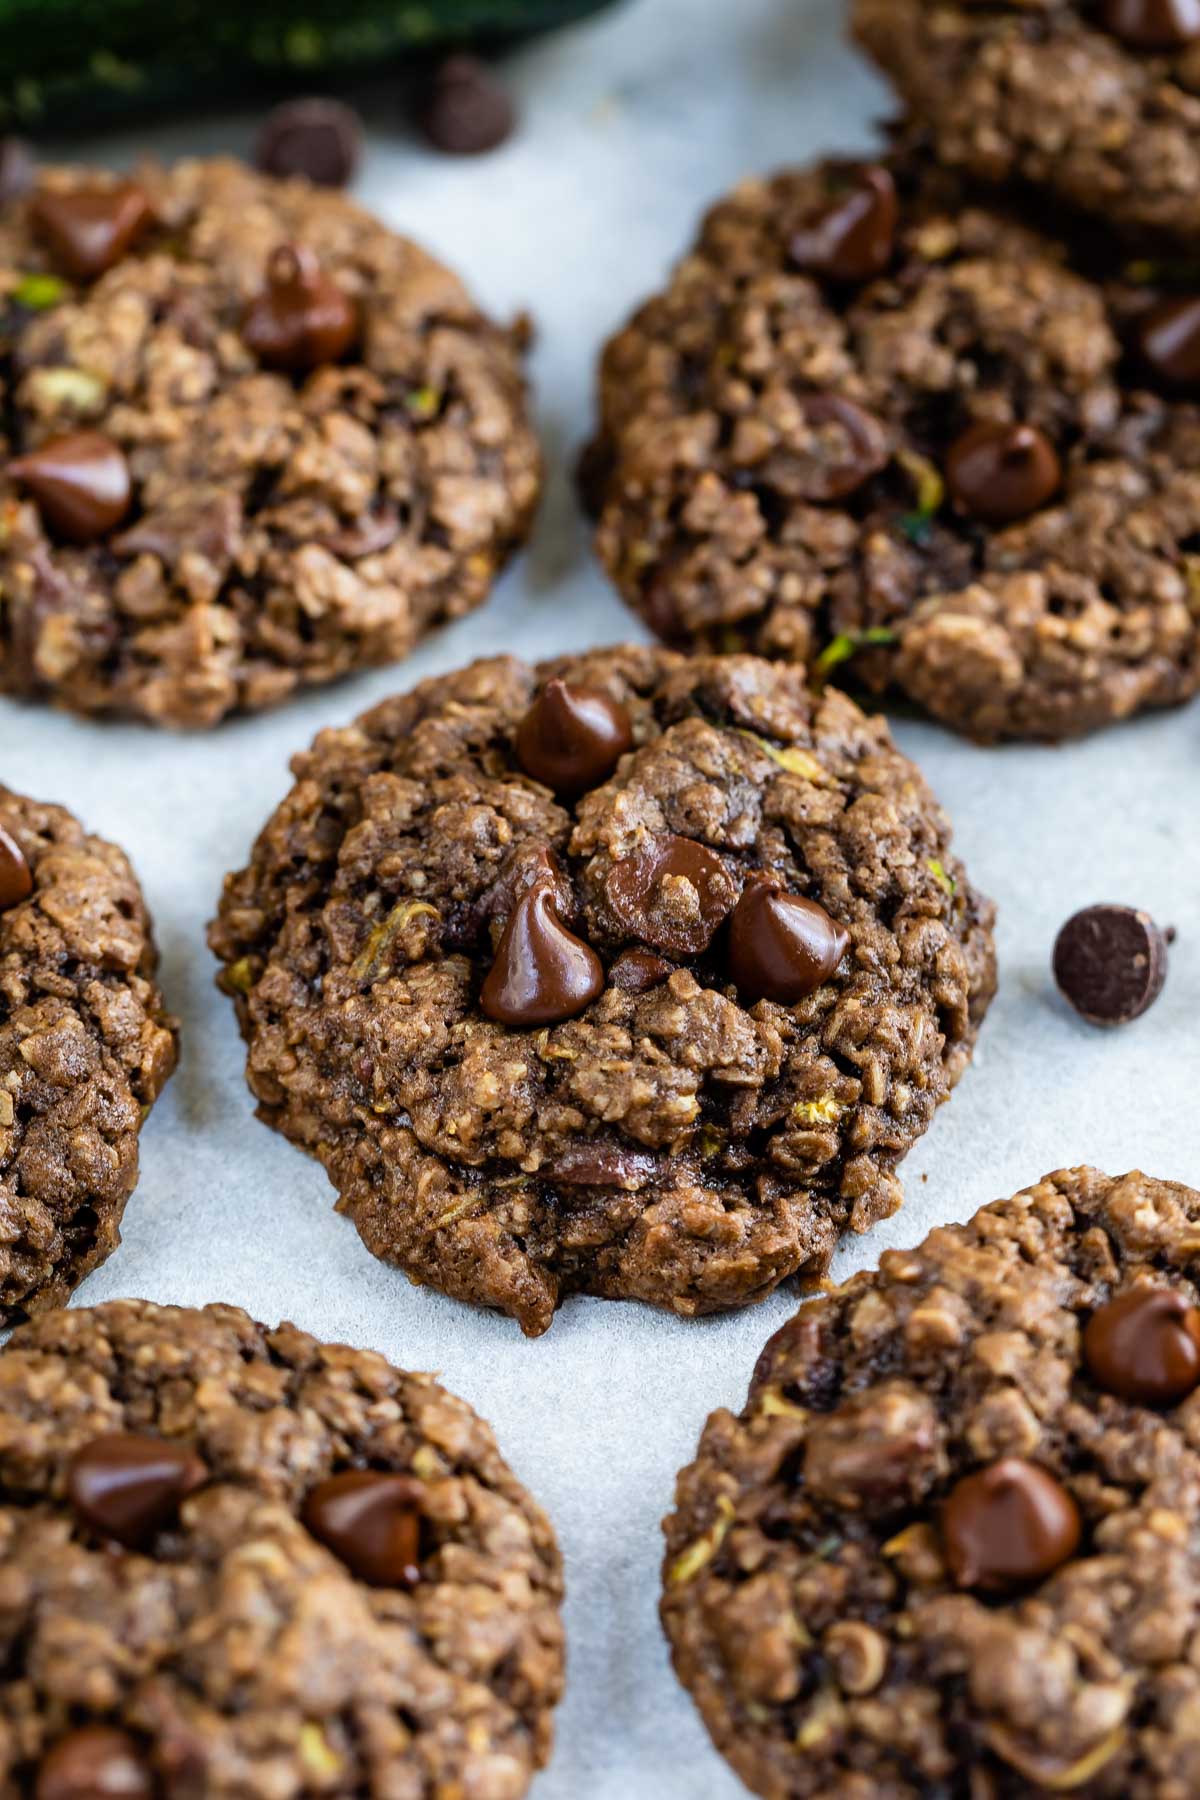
column 66, row 65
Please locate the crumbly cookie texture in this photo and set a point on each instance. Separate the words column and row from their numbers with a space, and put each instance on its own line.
column 86, row 1046
column 286, row 524
column 781, row 460
column 676, row 1140
column 235, row 1651
column 1048, row 92
column 815, row 1595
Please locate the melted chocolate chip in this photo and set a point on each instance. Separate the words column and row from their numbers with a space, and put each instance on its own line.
column 80, row 482
column 127, row 1486
column 16, row 878
column 603, row 1165
column 97, row 1762
column 782, row 947
column 847, row 445
column 18, row 171
column 637, row 971
column 468, row 111
column 302, row 318
column 1001, row 473
column 572, row 738
column 852, row 237
column 1169, row 341
column 372, row 1522
column 1110, row 963
column 87, row 230
column 542, row 973
column 1144, row 1346
column 1010, row 1524
column 1153, row 24
column 320, row 140
column 673, row 894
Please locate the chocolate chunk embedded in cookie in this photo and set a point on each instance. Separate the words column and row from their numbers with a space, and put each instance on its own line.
column 627, row 974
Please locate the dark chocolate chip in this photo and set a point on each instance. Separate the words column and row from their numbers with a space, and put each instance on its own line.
column 88, row 229
column 372, row 1522
column 603, row 1165
column 673, row 894
column 1010, row 1524
column 572, row 738
column 1110, row 962
column 127, row 1486
column 318, row 139
column 846, row 445
column 16, row 878
column 637, row 971
column 18, row 171
column 1144, row 1346
column 80, row 482
column 782, row 947
column 852, row 237
column 542, row 972
column 97, row 1762
column 1169, row 341
column 467, row 111
column 1153, row 24
column 1001, row 473
column 302, row 318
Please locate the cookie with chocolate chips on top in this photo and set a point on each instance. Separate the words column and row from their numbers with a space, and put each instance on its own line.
column 627, row 974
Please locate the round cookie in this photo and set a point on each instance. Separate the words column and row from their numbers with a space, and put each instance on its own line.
column 255, row 440
column 1099, row 104
column 238, row 1561
column 872, row 427
column 627, row 974
column 86, row 1046
column 949, row 1545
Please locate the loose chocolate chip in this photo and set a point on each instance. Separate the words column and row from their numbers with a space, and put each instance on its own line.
column 603, row 1165
column 782, row 947
column 89, row 229
column 301, row 318
column 468, row 111
column 1153, row 24
column 16, row 879
column 847, row 445
column 1110, row 963
column 318, row 139
column 673, row 894
column 1010, row 1524
column 128, row 1486
column 18, row 170
column 637, row 971
column 542, row 972
column 80, row 482
column 97, row 1762
column 372, row 1522
column 572, row 738
column 1169, row 341
column 1001, row 473
column 1144, row 1346
column 851, row 238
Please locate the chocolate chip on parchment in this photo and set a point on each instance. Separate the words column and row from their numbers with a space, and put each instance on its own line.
column 80, row 483
column 16, row 877
column 1110, row 963
column 317, row 138
column 371, row 1521
column 468, row 111
column 542, row 973
column 88, row 229
column 127, row 1485
column 96, row 1762
column 1008, row 1525
column 572, row 738
column 1144, row 1346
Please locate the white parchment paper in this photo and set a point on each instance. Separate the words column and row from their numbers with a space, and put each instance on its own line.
column 630, row 124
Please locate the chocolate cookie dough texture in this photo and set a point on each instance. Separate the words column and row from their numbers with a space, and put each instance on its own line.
column 875, row 428
column 627, row 974
column 949, row 1545
column 86, row 1046
column 238, row 1562
column 252, row 441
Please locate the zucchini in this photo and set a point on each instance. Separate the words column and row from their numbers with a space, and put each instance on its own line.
column 69, row 64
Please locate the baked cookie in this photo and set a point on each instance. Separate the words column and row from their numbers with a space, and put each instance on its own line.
column 238, row 1561
column 86, row 1046
column 871, row 425
column 255, row 440
column 949, row 1546
column 1098, row 103
column 628, row 974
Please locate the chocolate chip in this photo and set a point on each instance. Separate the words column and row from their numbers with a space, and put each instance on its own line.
column 852, row 237
column 542, row 972
column 846, row 446
column 603, row 1165
column 1001, row 473
column 673, row 894
column 97, row 1762
column 782, row 947
column 16, row 878
column 128, row 1486
column 301, row 318
column 1169, row 341
column 318, row 139
column 1010, row 1524
column 637, row 971
column 89, row 229
column 1110, row 963
column 1144, row 1346
column 372, row 1522
column 572, row 738
column 1153, row 24
column 18, row 171
column 467, row 111
column 80, row 482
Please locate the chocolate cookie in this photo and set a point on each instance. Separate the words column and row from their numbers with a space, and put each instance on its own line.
column 872, row 427
column 238, row 1561
column 1099, row 103
column 255, row 440
column 86, row 1046
column 949, row 1546
column 628, row 974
